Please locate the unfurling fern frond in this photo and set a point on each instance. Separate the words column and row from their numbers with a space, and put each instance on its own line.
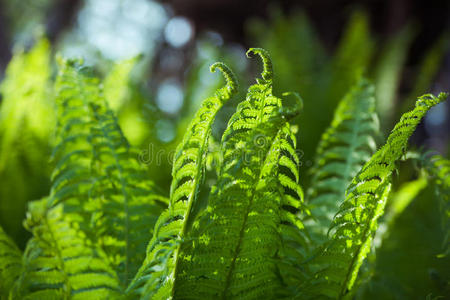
column 10, row 264
column 61, row 262
column 344, row 148
column 439, row 170
column 233, row 250
column 354, row 225
column 158, row 273
column 98, row 177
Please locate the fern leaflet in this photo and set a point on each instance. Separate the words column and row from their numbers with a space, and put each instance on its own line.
column 98, row 176
column 345, row 146
column 60, row 262
column 10, row 263
column 356, row 221
column 160, row 266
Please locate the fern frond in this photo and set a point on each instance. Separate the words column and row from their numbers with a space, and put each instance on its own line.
column 438, row 169
column 126, row 202
column 356, row 221
column 26, row 105
column 10, row 264
column 61, row 262
column 98, row 177
column 26, row 123
column 234, row 247
column 160, row 266
column 344, row 148
column 71, row 177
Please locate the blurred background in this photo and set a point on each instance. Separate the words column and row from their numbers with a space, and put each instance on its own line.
column 154, row 57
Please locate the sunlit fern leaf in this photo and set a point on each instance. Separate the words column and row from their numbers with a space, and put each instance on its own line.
column 61, row 262
column 234, row 248
column 72, row 177
column 280, row 178
column 439, row 170
column 97, row 175
column 10, row 264
column 356, row 222
column 159, row 270
column 25, row 103
column 344, row 148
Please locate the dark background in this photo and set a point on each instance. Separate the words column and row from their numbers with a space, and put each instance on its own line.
column 229, row 16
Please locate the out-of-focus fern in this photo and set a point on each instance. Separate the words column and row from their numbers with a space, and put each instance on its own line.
column 236, row 243
column 352, row 56
column 387, row 73
column 429, row 67
column 110, row 190
column 439, row 170
column 161, row 264
column 125, row 99
column 10, row 264
column 345, row 146
column 354, row 225
column 26, row 121
column 61, row 262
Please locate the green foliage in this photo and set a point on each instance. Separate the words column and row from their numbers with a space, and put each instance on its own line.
column 26, row 122
column 233, row 248
column 97, row 163
column 106, row 230
column 345, row 146
column 188, row 171
column 10, row 263
column 438, row 169
column 60, row 262
column 356, row 221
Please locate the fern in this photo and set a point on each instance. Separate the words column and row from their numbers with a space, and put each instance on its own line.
column 122, row 192
column 161, row 264
column 114, row 184
column 248, row 237
column 438, row 169
column 26, row 122
column 356, row 220
column 60, row 262
column 235, row 244
column 10, row 264
column 345, row 146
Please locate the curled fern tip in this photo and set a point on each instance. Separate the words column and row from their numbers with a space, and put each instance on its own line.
column 267, row 73
column 232, row 84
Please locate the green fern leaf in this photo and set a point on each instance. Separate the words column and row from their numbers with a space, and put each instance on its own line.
column 160, row 267
column 356, row 221
column 234, row 248
column 61, row 262
column 121, row 194
column 98, row 177
column 10, row 264
column 345, row 146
